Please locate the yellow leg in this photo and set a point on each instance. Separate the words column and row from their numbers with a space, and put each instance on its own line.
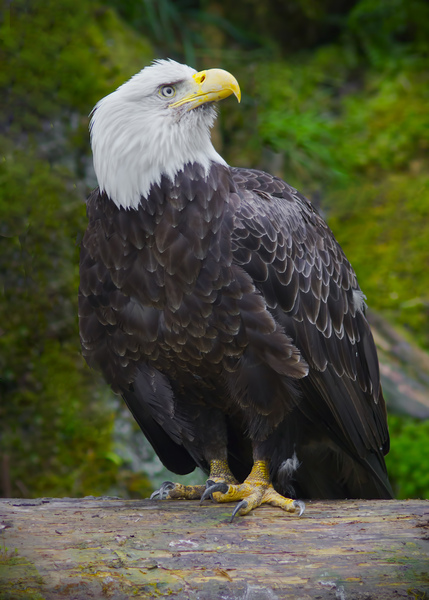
column 254, row 491
column 219, row 472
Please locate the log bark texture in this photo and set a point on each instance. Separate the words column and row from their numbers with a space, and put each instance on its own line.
column 112, row 548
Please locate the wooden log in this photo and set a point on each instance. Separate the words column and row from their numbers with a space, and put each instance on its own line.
column 112, row 548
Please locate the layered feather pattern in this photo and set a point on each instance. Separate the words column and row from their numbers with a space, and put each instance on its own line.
column 224, row 304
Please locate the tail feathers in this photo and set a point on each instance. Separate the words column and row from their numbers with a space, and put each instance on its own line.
column 324, row 471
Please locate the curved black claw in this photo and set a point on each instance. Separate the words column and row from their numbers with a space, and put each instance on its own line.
column 212, row 487
column 300, row 506
column 240, row 505
column 162, row 493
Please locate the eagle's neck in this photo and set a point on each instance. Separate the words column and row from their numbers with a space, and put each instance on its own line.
column 190, row 205
column 133, row 151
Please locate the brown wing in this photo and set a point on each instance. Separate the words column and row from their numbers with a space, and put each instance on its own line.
column 312, row 291
column 111, row 324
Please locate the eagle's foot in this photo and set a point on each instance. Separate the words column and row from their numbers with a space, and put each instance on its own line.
column 163, row 491
column 177, row 491
column 251, row 495
column 219, row 472
column 253, row 492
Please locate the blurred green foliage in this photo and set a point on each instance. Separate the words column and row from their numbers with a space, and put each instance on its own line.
column 407, row 459
column 56, row 439
column 335, row 98
column 391, row 217
column 63, row 55
column 356, row 133
column 56, row 434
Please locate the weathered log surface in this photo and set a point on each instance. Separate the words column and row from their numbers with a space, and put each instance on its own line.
column 117, row 549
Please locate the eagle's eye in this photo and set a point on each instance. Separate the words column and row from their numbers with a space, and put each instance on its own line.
column 167, row 91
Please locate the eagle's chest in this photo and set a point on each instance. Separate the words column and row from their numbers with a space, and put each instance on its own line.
column 179, row 256
column 181, row 281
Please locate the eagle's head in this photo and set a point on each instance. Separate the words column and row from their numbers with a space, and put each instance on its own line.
column 153, row 125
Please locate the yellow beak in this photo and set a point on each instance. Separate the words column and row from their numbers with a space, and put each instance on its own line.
column 209, row 86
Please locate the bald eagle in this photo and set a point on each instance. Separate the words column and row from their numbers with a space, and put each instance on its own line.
column 218, row 303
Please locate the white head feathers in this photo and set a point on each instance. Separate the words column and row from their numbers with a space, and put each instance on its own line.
column 136, row 137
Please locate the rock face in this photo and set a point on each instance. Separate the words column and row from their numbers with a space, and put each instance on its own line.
column 104, row 547
column 404, row 370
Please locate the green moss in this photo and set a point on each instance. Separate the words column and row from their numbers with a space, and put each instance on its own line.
column 9, row 557
column 356, row 136
column 19, row 579
column 384, row 229
column 293, row 119
column 385, row 127
column 408, row 460
column 58, row 59
column 43, row 379
column 57, row 426
column 347, row 120
column 63, row 54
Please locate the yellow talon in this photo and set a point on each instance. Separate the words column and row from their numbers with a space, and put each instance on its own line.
column 222, row 486
column 254, row 491
column 219, row 472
